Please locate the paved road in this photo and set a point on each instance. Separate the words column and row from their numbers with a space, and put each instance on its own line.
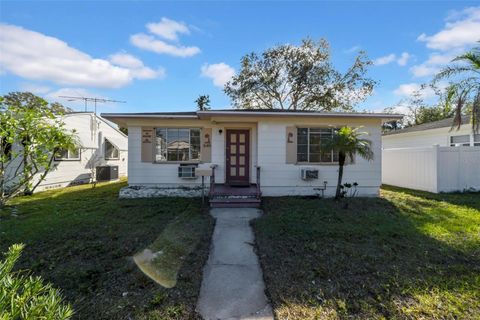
column 232, row 286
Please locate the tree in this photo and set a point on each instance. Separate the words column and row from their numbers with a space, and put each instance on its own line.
column 427, row 114
column 29, row 100
column 299, row 78
column 28, row 297
column 31, row 135
column 463, row 91
column 347, row 142
column 203, row 102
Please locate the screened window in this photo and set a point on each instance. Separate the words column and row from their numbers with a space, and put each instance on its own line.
column 476, row 140
column 63, row 154
column 463, row 140
column 111, row 151
column 309, row 145
column 177, row 144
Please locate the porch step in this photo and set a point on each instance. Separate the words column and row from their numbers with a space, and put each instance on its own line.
column 244, row 202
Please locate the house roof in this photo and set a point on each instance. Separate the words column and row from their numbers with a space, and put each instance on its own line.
column 246, row 113
column 445, row 123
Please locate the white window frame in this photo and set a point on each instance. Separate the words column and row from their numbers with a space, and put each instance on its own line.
column 463, row 144
column 332, row 162
column 69, row 158
column 105, row 150
column 476, row 143
column 189, row 149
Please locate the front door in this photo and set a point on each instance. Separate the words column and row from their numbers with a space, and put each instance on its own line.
column 238, row 157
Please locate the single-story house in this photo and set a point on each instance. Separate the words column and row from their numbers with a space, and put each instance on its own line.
column 432, row 133
column 102, row 153
column 433, row 157
column 272, row 152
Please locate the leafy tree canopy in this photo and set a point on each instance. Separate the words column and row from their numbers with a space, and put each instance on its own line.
column 29, row 100
column 203, row 102
column 299, row 78
column 30, row 136
column 463, row 92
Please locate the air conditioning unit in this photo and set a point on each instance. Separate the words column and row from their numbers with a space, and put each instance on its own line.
column 186, row 172
column 309, row 174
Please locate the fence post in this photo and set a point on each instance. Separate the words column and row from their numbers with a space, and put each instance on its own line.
column 436, row 152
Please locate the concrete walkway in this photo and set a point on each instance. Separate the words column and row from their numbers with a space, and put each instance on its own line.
column 232, row 286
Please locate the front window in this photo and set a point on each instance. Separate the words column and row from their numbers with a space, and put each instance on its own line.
column 177, row 144
column 463, row 140
column 111, row 151
column 64, row 154
column 309, row 145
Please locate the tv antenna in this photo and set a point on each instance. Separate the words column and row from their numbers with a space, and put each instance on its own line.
column 90, row 99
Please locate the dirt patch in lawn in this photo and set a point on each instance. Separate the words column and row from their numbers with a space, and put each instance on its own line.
column 82, row 241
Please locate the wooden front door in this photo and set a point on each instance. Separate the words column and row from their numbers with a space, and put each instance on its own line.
column 238, row 157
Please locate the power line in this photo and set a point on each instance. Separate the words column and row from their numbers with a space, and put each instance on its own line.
column 91, row 99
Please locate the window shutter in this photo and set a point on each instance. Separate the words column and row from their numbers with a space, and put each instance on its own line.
column 291, row 147
column 147, row 144
column 206, row 145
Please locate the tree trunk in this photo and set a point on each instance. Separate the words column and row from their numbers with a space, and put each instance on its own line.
column 341, row 162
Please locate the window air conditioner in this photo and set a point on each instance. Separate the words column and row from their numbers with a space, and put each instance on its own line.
column 309, row 174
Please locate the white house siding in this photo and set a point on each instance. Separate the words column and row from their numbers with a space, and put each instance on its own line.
column 424, row 138
column 91, row 132
column 281, row 179
column 268, row 150
column 166, row 174
column 434, row 169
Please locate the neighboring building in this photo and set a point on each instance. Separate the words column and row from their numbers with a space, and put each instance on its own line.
column 101, row 144
column 432, row 157
column 242, row 144
column 432, row 133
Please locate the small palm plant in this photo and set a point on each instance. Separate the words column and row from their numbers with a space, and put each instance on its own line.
column 28, row 297
column 464, row 88
column 347, row 142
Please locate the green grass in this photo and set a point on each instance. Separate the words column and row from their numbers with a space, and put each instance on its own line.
column 82, row 240
column 405, row 255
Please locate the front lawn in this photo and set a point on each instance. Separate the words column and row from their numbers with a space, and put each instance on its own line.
column 82, row 240
column 405, row 255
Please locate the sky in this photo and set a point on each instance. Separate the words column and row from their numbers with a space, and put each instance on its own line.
column 160, row 56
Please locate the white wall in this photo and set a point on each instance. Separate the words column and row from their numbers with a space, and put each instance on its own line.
column 434, row 169
column 281, row 179
column 424, row 138
column 268, row 150
column 91, row 132
column 166, row 174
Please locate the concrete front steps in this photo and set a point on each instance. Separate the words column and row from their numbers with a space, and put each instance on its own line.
column 224, row 196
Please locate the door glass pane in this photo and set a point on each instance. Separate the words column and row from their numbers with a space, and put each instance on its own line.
column 241, row 160
column 233, row 160
column 233, row 138
column 233, row 149
column 241, row 171
column 242, row 137
column 242, row 149
column 233, row 172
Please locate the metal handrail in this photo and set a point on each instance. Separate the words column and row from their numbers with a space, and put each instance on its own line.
column 212, row 180
column 258, row 183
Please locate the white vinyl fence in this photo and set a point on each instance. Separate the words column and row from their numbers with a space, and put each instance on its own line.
column 435, row 169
